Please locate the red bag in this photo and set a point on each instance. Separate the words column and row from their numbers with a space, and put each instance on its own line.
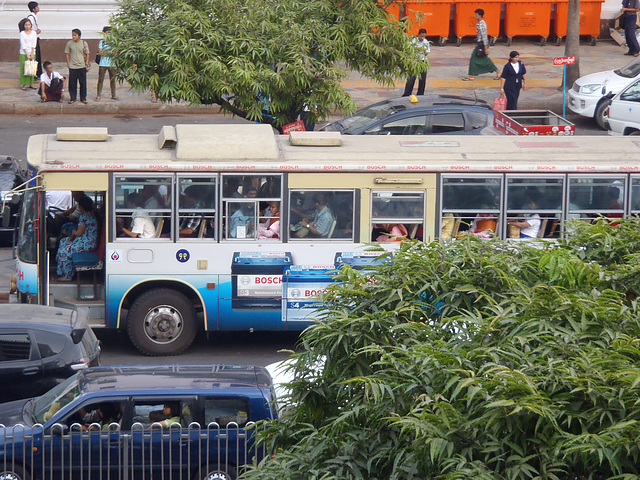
column 500, row 103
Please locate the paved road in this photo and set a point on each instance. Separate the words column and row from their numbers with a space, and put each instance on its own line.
column 260, row 348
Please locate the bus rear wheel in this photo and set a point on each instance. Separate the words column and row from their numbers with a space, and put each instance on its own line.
column 161, row 322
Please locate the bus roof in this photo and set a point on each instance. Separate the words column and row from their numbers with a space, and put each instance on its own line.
column 210, row 148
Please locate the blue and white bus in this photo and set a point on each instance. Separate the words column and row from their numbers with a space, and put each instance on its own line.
column 243, row 227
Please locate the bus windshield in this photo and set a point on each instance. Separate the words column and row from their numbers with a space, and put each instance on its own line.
column 27, row 239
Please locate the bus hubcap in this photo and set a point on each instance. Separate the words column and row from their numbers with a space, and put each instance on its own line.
column 163, row 324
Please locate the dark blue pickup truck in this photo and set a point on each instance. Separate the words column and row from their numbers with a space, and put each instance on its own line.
column 182, row 421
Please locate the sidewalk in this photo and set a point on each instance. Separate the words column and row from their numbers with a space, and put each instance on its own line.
column 448, row 66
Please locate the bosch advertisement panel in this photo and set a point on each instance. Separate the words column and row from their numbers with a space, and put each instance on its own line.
column 257, row 279
column 361, row 260
column 302, row 284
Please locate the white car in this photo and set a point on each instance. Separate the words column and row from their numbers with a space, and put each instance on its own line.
column 590, row 95
column 623, row 115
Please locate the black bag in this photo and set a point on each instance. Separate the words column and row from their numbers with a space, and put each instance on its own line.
column 55, row 84
column 21, row 24
column 480, row 50
column 98, row 59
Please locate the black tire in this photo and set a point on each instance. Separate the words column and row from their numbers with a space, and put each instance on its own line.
column 599, row 113
column 212, row 473
column 635, row 133
column 459, row 41
column 13, row 472
column 162, row 322
column 594, row 41
column 543, row 41
column 509, row 40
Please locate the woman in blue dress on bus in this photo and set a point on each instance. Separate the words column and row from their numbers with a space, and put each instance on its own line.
column 82, row 239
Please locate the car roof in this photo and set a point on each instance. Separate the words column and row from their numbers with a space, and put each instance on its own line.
column 432, row 100
column 169, row 379
column 21, row 315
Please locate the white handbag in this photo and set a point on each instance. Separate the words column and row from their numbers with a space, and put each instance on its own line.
column 30, row 68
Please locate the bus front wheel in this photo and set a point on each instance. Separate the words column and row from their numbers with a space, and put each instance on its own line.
column 162, row 322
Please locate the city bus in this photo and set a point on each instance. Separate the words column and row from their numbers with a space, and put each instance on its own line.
column 243, row 227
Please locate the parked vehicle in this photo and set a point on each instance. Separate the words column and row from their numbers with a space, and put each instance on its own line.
column 41, row 346
column 181, row 421
column 591, row 94
column 623, row 115
column 419, row 115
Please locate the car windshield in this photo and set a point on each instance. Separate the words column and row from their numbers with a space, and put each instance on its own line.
column 48, row 404
column 364, row 117
column 631, row 70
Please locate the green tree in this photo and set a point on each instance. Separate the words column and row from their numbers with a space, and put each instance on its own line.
column 264, row 60
column 475, row 359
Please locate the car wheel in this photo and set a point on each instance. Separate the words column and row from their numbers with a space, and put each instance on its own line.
column 635, row 133
column 162, row 322
column 221, row 473
column 15, row 472
column 599, row 113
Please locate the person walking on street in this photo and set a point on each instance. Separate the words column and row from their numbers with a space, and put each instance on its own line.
column 28, row 41
column 512, row 80
column 51, row 84
column 34, row 9
column 77, row 52
column 423, row 48
column 630, row 9
column 106, row 65
column 480, row 61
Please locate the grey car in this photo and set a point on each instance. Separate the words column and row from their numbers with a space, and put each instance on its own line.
column 41, row 346
column 421, row 115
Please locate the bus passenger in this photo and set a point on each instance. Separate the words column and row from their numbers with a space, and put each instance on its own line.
column 141, row 224
column 152, row 198
column 320, row 223
column 392, row 232
column 70, row 215
column 190, row 223
column 530, row 225
column 484, row 225
column 82, row 239
column 270, row 228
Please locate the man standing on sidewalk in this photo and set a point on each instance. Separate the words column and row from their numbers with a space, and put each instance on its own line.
column 77, row 52
column 423, row 48
column 629, row 11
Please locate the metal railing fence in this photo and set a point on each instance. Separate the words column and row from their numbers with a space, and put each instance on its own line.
column 142, row 453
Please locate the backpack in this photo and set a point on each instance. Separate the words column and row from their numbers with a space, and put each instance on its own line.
column 21, row 24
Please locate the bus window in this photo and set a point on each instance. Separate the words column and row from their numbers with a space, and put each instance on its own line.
column 196, row 207
column 396, row 215
column 590, row 197
column 321, row 214
column 534, row 206
column 468, row 200
column 635, row 196
column 143, row 201
column 251, row 207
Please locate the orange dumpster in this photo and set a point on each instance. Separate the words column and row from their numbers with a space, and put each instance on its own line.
column 529, row 18
column 589, row 19
column 464, row 20
column 433, row 15
column 393, row 10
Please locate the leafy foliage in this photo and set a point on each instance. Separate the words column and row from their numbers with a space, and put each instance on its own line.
column 260, row 59
column 474, row 359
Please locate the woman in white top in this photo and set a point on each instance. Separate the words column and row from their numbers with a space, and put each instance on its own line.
column 28, row 41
